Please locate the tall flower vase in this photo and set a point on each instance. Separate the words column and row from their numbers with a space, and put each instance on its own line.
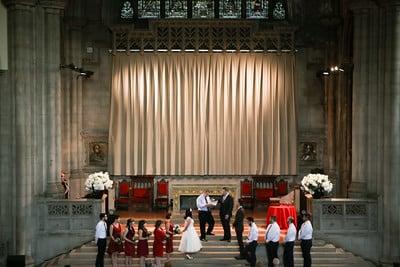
column 318, row 195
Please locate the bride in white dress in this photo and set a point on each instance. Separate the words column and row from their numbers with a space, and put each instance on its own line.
column 190, row 241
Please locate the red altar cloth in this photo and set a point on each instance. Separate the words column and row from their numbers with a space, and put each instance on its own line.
column 282, row 212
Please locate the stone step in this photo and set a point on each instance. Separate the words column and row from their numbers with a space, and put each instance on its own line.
column 218, row 245
column 220, row 252
column 207, row 264
column 198, row 258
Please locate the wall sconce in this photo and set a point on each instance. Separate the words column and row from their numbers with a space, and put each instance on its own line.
column 82, row 72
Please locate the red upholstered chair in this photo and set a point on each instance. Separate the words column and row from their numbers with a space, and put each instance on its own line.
column 122, row 199
column 281, row 188
column 162, row 200
column 246, row 193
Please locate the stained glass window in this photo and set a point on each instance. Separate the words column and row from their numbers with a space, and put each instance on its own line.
column 279, row 12
column 257, row 9
column 230, row 8
column 149, row 8
column 176, row 8
column 203, row 9
column 127, row 10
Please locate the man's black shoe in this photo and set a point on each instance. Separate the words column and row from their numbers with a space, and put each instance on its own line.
column 239, row 258
column 210, row 234
column 203, row 239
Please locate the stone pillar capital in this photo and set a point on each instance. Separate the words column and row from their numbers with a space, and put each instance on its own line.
column 390, row 3
column 13, row 3
column 53, row 4
column 362, row 5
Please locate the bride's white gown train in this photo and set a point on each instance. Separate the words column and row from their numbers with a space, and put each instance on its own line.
column 190, row 241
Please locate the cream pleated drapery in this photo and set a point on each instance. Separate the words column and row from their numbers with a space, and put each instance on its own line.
column 202, row 114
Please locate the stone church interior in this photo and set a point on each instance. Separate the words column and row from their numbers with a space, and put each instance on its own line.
column 136, row 107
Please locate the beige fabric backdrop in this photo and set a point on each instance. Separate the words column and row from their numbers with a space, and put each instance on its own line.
column 200, row 114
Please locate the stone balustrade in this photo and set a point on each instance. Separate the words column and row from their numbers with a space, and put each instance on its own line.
column 349, row 223
column 64, row 224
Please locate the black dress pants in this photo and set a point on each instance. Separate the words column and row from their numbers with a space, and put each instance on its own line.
column 101, row 249
column 226, row 226
column 205, row 217
column 305, row 250
column 272, row 252
column 239, row 237
column 288, row 260
column 250, row 252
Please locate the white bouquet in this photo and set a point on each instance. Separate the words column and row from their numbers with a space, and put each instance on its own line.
column 98, row 181
column 316, row 184
column 177, row 229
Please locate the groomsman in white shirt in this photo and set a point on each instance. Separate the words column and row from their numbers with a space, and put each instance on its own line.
column 100, row 239
column 288, row 260
column 272, row 235
column 204, row 205
column 305, row 237
column 251, row 242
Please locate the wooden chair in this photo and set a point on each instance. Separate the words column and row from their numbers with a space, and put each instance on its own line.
column 281, row 188
column 142, row 192
column 162, row 197
column 122, row 199
column 246, row 194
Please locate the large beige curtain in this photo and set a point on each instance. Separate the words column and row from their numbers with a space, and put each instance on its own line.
column 202, row 114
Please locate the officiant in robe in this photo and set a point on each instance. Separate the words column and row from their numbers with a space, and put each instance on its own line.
column 225, row 213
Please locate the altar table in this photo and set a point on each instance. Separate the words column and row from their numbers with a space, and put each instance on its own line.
column 282, row 212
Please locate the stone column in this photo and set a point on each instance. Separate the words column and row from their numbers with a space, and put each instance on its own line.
column 365, row 105
column 358, row 184
column 72, row 97
column 52, row 87
column 21, row 57
column 330, row 114
column 391, row 143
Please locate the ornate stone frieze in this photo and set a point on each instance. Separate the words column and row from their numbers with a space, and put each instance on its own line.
column 178, row 190
column 57, row 209
column 332, row 209
column 203, row 36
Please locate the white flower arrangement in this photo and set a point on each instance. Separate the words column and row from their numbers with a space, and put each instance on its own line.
column 316, row 184
column 98, row 181
column 177, row 229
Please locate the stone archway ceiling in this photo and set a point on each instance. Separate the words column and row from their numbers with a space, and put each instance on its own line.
column 203, row 36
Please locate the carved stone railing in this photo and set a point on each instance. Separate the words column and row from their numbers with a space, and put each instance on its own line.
column 352, row 224
column 71, row 216
column 345, row 215
column 203, row 36
column 63, row 225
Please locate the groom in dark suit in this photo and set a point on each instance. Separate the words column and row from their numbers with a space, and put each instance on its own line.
column 225, row 213
column 238, row 225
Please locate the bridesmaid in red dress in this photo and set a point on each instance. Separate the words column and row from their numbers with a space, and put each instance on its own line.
column 129, row 246
column 159, row 241
column 169, row 230
column 115, row 246
column 143, row 246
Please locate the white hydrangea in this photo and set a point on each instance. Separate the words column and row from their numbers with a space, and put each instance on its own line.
column 98, row 181
column 316, row 182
